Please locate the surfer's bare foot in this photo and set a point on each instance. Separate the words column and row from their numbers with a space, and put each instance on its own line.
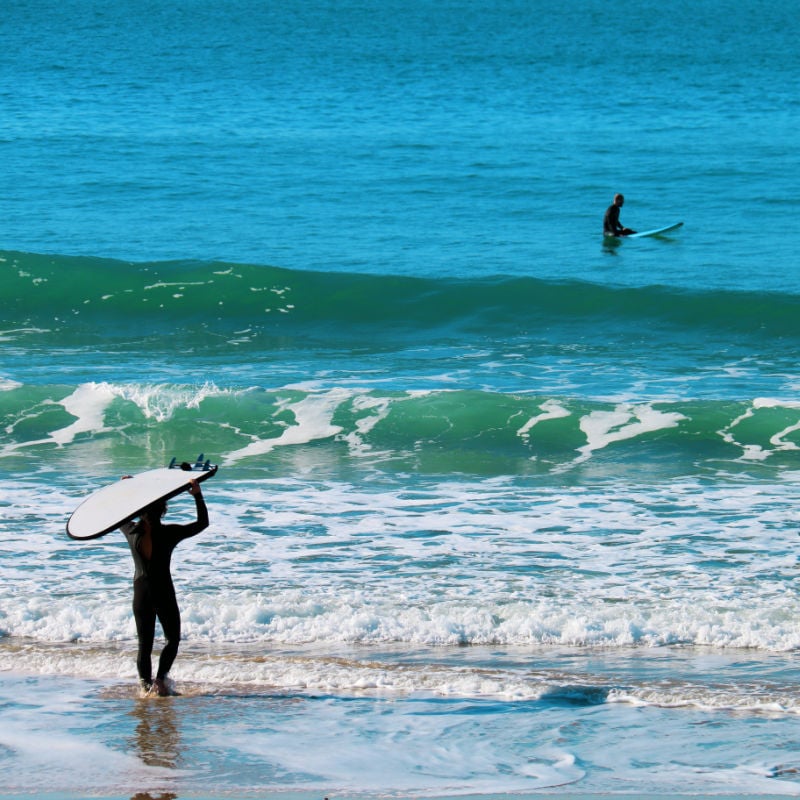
column 163, row 689
column 145, row 687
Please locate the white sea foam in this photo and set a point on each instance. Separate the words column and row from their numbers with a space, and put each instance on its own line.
column 626, row 421
column 756, row 452
column 160, row 402
column 6, row 384
column 296, row 562
column 377, row 409
column 550, row 410
column 87, row 404
column 312, row 417
column 778, row 440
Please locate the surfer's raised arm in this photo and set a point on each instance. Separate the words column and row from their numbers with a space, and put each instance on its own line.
column 202, row 512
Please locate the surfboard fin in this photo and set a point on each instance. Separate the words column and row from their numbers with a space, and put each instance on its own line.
column 205, row 466
column 198, row 466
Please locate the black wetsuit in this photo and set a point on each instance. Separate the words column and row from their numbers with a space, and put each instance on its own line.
column 611, row 223
column 153, row 590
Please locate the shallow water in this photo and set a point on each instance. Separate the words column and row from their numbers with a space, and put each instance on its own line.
column 423, row 723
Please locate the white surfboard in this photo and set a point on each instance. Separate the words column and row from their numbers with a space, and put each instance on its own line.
column 106, row 509
column 655, row 231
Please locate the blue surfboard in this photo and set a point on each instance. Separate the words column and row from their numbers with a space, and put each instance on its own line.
column 655, row 231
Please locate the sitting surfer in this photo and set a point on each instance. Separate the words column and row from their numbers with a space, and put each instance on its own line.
column 151, row 544
column 611, row 224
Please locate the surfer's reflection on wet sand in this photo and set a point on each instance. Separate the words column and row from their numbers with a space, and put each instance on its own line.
column 148, row 796
column 157, row 736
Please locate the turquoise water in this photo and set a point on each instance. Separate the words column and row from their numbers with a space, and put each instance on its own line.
column 502, row 507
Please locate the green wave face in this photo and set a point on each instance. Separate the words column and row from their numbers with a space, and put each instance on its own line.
column 97, row 300
column 432, row 432
column 112, row 361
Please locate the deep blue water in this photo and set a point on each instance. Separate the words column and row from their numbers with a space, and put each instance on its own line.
column 395, row 138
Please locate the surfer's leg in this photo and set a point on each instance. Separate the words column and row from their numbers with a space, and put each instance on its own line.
column 145, row 616
column 170, row 618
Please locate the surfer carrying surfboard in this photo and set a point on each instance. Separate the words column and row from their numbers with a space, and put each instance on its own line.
column 611, row 224
column 152, row 543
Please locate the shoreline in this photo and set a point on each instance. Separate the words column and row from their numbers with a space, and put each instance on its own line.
column 63, row 738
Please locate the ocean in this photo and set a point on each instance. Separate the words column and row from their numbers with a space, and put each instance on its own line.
column 503, row 508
